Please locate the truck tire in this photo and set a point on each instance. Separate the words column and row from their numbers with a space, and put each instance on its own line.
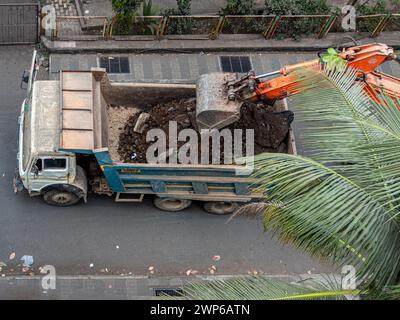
column 171, row 204
column 60, row 198
column 220, row 207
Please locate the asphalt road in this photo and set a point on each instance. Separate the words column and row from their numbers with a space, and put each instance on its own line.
column 73, row 238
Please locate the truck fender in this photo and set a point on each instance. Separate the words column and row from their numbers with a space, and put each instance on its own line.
column 78, row 186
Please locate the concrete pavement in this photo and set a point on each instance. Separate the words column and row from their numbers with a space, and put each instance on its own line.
column 112, row 287
column 201, row 43
column 183, row 67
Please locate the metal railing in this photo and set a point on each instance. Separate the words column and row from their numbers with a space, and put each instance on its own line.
column 210, row 27
column 72, row 26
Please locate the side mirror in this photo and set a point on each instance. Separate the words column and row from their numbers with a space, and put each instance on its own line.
column 35, row 170
column 24, row 79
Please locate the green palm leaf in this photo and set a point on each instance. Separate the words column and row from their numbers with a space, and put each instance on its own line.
column 332, row 60
column 340, row 203
column 263, row 288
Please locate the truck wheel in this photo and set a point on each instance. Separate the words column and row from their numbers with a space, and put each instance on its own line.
column 220, row 207
column 171, row 204
column 60, row 198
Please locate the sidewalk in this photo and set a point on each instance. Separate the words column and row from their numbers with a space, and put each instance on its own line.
column 107, row 287
column 228, row 43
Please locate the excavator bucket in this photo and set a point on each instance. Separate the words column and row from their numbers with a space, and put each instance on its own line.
column 213, row 108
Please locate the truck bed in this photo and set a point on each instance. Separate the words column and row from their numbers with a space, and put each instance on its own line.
column 191, row 181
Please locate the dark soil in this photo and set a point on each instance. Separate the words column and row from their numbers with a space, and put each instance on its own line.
column 133, row 146
column 270, row 128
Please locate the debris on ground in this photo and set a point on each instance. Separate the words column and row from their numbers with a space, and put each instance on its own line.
column 91, row 265
column 270, row 128
column 42, row 271
column 191, row 272
column 254, row 272
column 12, row 256
column 27, row 261
column 213, row 269
column 152, row 270
column 216, row 257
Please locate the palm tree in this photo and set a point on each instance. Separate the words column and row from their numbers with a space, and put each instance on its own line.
column 340, row 201
column 263, row 288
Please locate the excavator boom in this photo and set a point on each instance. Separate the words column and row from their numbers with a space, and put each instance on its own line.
column 233, row 92
column 366, row 59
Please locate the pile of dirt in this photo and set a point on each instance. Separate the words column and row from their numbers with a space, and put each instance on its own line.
column 133, row 146
column 270, row 128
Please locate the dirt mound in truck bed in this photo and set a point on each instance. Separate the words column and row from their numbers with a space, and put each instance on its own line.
column 133, row 146
column 270, row 128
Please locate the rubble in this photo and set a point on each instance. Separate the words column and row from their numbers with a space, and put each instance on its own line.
column 141, row 122
column 270, row 128
column 131, row 143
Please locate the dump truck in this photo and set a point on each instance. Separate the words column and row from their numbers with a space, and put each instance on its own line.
column 67, row 148
column 65, row 153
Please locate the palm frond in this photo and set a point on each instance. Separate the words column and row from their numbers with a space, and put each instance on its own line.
column 343, row 126
column 342, row 202
column 389, row 293
column 264, row 288
column 329, row 216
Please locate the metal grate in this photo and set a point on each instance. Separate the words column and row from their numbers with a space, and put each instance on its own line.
column 173, row 292
column 18, row 23
column 239, row 64
column 115, row 64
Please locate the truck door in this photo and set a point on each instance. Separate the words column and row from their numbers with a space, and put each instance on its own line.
column 48, row 170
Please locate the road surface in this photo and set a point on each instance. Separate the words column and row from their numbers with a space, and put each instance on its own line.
column 104, row 238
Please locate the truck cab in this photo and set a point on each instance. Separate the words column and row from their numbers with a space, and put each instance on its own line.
column 42, row 168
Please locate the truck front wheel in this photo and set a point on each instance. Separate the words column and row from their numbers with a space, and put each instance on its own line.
column 171, row 204
column 220, row 208
column 60, row 198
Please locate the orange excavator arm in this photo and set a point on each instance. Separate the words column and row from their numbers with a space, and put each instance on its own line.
column 364, row 58
column 378, row 82
column 216, row 112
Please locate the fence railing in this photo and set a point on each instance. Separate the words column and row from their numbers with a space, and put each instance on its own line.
column 210, row 27
column 72, row 26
